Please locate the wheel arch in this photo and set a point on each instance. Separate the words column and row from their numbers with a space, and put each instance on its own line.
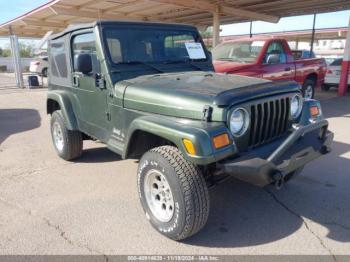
column 312, row 76
column 59, row 101
column 141, row 141
column 158, row 131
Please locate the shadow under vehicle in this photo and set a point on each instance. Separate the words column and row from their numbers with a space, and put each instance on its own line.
column 17, row 120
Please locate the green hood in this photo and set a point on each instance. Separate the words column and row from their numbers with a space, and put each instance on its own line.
column 185, row 94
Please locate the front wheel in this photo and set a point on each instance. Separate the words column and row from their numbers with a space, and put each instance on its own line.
column 173, row 193
column 309, row 88
column 68, row 143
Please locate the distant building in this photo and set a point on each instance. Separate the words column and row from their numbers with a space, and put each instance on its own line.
column 329, row 44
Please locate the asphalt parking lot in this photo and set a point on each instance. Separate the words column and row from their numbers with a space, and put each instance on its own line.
column 90, row 206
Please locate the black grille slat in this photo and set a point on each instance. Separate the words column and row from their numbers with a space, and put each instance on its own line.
column 278, row 117
column 280, row 129
column 261, row 122
column 252, row 125
column 268, row 120
column 273, row 116
column 287, row 115
column 256, row 129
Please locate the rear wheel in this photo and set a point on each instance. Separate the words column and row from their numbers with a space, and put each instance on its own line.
column 173, row 193
column 68, row 143
column 309, row 88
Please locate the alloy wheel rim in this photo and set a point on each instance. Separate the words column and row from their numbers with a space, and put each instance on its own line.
column 58, row 136
column 159, row 196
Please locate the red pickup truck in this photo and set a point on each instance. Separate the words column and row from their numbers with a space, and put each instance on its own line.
column 269, row 58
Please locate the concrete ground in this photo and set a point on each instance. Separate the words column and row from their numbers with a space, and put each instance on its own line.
column 8, row 80
column 50, row 206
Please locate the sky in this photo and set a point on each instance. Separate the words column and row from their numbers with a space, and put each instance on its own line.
column 326, row 20
column 14, row 8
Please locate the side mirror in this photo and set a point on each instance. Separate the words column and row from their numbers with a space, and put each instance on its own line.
column 83, row 63
column 273, row 59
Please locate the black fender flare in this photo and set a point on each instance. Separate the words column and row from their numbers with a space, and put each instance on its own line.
column 66, row 108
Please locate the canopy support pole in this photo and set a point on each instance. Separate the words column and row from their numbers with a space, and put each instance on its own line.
column 16, row 58
column 216, row 27
column 344, row 75
column 312, row 37
column 251, row 29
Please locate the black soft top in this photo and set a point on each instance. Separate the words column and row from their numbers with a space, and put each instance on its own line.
column 74, row 27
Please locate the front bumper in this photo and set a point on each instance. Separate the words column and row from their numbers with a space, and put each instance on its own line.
column 332, row 80
column 274, row 161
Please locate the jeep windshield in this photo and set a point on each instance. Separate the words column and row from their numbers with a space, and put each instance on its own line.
column 240, row 52
column 150, row 46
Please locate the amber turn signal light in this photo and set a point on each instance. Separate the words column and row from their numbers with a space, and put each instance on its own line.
column 221, row 141
column 314, row 111
column 189, row 146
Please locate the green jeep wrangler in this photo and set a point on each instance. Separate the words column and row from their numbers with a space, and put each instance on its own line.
column 148, row 91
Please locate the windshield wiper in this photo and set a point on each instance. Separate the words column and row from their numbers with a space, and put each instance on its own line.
column 231, row 59
column 187, row 61
column 143, row 63
column 225, row 59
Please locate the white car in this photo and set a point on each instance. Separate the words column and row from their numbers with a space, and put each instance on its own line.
column 39, row 66
column 333, row 74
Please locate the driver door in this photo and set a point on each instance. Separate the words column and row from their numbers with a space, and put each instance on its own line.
column 90, row 90
column 275, row 65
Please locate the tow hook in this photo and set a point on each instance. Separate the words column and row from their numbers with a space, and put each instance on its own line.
column 278, row 177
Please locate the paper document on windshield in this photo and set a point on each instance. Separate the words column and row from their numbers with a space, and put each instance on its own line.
column 195, row 50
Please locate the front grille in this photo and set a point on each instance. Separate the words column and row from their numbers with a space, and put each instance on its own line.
column 268, row 120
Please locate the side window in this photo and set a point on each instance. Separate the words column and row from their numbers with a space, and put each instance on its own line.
column 115, row 50
column 58, row 62
column 275, row 54
column 85, row 44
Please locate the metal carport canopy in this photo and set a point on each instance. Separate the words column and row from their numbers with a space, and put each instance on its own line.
column 57, row 14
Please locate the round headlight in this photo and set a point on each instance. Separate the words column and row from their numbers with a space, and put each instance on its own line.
column 296, row 106
column 239, row 121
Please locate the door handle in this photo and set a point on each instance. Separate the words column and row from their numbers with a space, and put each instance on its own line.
column 75, row 80
column 100, row 81
column 287, row 69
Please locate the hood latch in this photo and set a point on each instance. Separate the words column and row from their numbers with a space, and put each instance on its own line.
column 207, row 112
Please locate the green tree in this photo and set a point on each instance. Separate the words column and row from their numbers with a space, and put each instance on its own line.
column 26, row 50
column 6, row 52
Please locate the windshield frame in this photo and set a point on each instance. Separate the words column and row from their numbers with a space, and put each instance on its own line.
column 165, row 28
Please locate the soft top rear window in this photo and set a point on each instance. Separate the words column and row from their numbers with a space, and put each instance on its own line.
column 58, row 62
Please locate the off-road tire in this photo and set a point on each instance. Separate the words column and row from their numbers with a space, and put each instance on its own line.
column 72, row 139
column 189, row 189
column 307, row 83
